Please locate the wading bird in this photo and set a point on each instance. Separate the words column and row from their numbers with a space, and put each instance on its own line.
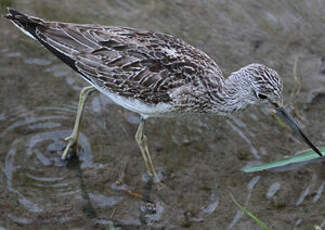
column 152, row 74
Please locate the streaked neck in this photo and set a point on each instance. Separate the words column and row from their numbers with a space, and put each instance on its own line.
column 230, row 96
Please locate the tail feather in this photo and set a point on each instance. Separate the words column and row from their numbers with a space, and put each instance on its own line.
column 35, row 27
column 25, row 23
column 12, row 14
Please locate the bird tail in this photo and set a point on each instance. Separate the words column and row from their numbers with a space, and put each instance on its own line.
column 27, row 24
column 36, row 28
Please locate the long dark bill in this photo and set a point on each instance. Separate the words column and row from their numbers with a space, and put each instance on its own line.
column 282, row 113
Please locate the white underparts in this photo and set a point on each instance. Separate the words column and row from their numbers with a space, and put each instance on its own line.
column 146, row 110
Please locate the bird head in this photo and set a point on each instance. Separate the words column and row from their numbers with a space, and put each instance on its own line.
column 262, row 84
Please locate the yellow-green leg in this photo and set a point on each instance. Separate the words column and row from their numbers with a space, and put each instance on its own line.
column 143, row 145
column 73, row 138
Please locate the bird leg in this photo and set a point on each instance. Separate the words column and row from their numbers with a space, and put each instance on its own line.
column 73, row 138
column 143, row 145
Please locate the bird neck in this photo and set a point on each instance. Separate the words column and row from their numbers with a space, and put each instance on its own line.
column 231, row 97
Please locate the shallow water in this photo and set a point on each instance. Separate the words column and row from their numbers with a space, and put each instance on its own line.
column 200, row 157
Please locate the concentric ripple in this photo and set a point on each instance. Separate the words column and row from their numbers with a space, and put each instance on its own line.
column 31, row 166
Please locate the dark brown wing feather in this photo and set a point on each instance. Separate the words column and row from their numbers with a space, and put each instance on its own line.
column 129, row 62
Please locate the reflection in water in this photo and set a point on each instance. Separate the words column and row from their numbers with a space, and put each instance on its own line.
column 319, row 192
column 273, row 190
column 35, row 174
column 297, row 223
column 32, row 167
column 240, row 213
column 303, row 195
column 210, row 208
column 244, row 137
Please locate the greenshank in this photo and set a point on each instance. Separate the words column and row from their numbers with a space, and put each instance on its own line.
column 153, row 74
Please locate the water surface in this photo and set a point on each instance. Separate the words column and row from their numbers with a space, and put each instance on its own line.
column 201, row 157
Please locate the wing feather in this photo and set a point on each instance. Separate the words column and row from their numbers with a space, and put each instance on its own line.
column 130, row 62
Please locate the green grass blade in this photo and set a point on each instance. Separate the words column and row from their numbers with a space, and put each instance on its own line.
column 248, row 213
column 299, row 158
column 111, row 226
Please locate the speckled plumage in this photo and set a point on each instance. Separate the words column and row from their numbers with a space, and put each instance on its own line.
column 153, row 74
column 150, row 68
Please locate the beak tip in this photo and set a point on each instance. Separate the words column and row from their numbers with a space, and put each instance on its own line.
column 287, row 118
column 319, row 153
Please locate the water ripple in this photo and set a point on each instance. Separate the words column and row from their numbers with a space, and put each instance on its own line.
column 32, row 167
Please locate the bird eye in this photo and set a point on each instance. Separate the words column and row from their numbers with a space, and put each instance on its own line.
column 261, row 96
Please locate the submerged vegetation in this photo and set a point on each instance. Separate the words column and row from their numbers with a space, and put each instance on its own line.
column 302, row 157
column 251, row 215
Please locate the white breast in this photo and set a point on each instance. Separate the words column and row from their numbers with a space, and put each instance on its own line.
column 146, row 110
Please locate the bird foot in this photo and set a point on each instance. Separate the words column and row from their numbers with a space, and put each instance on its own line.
column 155, row 179
column 160, row 185
column 72, row 141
